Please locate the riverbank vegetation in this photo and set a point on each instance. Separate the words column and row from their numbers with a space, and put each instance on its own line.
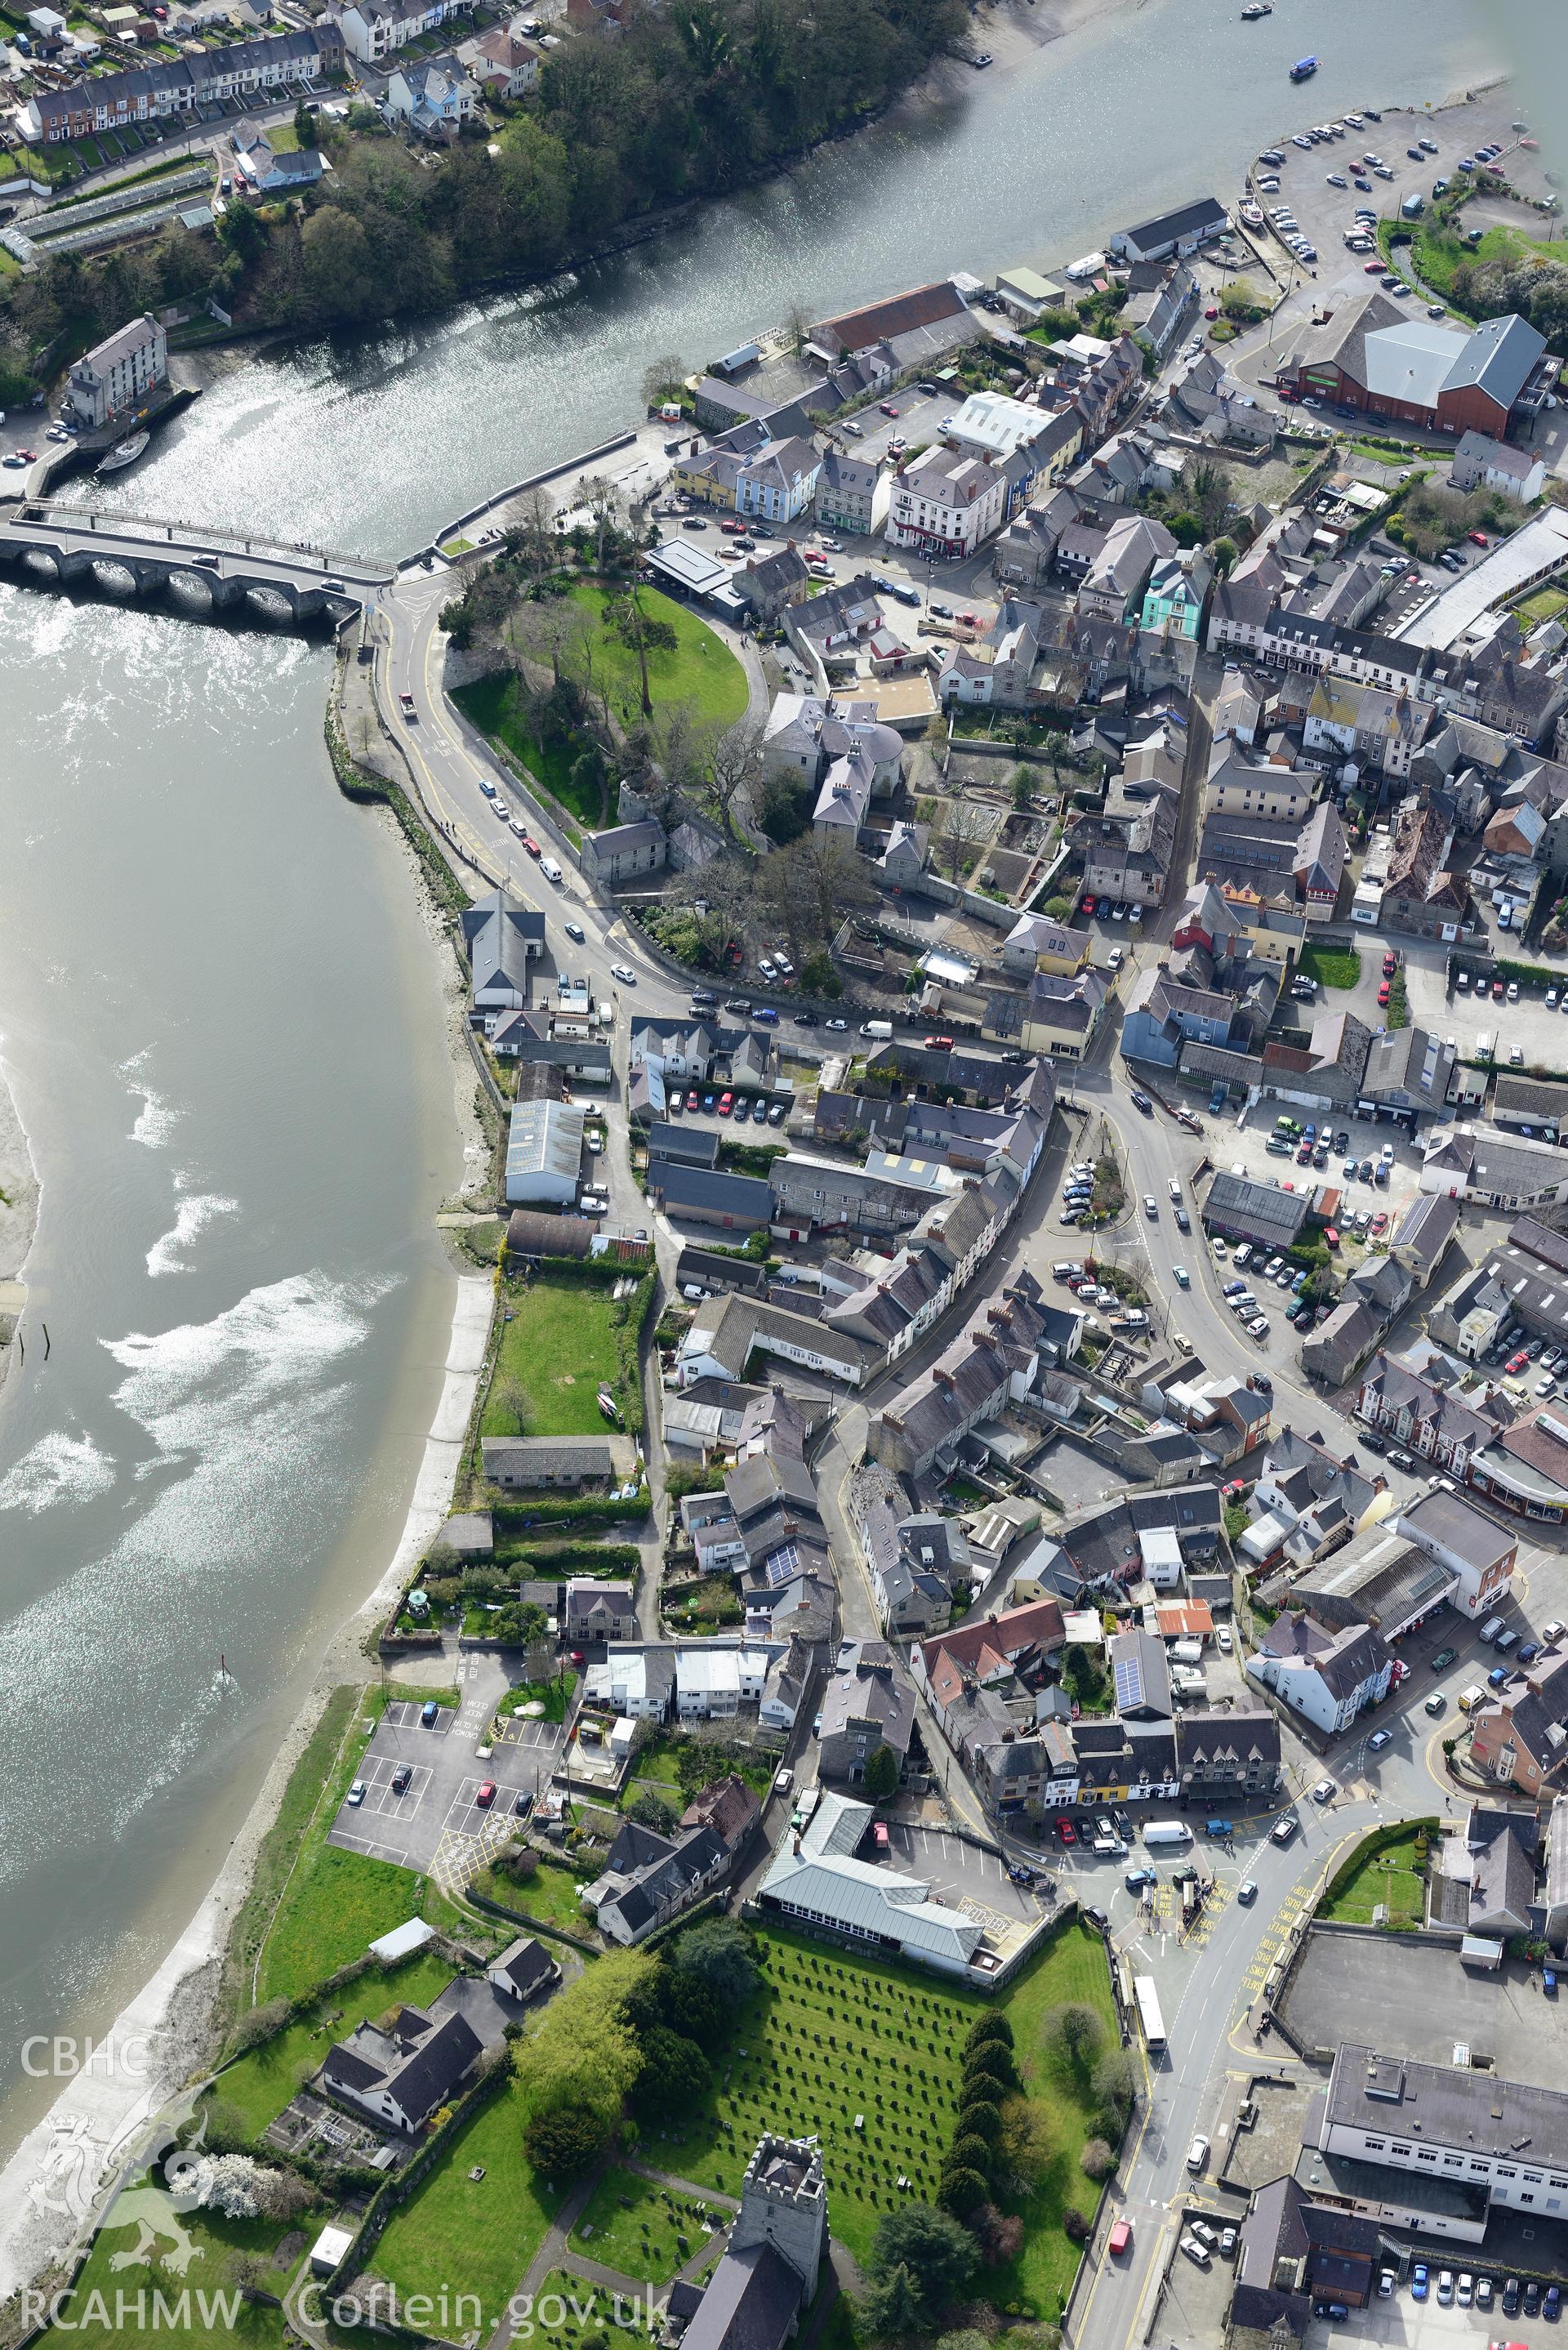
column 681, row 104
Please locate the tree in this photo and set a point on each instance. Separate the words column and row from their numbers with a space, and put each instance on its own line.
column 992, row 2026
column 1059, row 908
column 735, row 764
column 819, row 977
column 664, row 378
column 961, row 827
column 895, row 2308
column 962, row 2191
column 1097, row 2160
column 1116, row 2083
column 1224, row 552
column 981, row 2118
column 564, row 2143
column 513, row 1402
column 718, row 1952
column 967, row 2153
column 1025, row 2146
column 1239, row 300
column 936, row 2253
column 1207, row 493
column 881, row 1779
column 1074, row 2226
column 1022, row 788
column 533, row 1624
column 304, row 125
column 1074, row 2034
column 990, row 2065
column 260, row 2024
column 1000, row 2235
column 651, row 1811
column 584, row 2056
column 675, row 2074
column 242, row 231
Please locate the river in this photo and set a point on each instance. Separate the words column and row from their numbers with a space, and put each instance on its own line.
column 215, row 1000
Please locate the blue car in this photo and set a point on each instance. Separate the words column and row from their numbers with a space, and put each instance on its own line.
column 1418, row 2282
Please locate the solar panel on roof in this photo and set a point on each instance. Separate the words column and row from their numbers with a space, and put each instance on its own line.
column 1129, row 1683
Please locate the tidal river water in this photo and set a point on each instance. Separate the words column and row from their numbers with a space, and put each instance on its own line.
column 218, row 1008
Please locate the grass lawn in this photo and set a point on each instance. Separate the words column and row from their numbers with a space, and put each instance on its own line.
column 335, row 1903
column 568, row 2308
column 104, row 2294
column 557, row 1347
column 263, row 2081
column 1394, row 1878
column 1329, row 966
column 1544, row 605
column 491, row 703
column 550, row 1895
column 830, row 2037
column 555, row 1696
column 645, row 2231
column 702, row 670
column 457, row 2234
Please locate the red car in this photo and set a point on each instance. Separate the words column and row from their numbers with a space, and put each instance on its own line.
column 1233, row 1490
column 1330, row 1236
column 939, row 1044
column 691, row 1101
column 726, row 1104
column 1516, row 1363
column 887, row 407
column 1380, row 1221
column 1374, row 269
column 1391, row 964
column 1212, row 311
column 1066, row 1832
column 530, row 844
column 1477, row 538
column 1498, row 991
column 970, row 619
column 1087, row 905
column 1383, row 993
column 486, row 1796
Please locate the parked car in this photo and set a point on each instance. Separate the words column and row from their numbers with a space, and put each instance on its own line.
column 1198, row 2153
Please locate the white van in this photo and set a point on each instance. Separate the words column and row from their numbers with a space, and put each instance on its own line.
column 1187, row 1652
column 879, row 1028
column 1174, row 1188
column 549, row 868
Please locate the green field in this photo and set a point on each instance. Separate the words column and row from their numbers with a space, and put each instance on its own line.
column 261, row 2083
column 335, row 1903
column 104, row 2310
column 557, row 1348
column 702, row 670
column 634, row 2226
column 550, row 1895
column 1436, row 249
column 1547, row 604
column 494, row 706
column 1329, row 966
column 458, row 2234
column 1393, row 1877
column 831, row 2037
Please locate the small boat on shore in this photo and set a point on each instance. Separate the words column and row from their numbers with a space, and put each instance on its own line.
column 1256, row 8
column 1303, row 69
column 126, row 454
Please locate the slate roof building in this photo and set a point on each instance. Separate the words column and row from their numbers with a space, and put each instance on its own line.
column 1328, row 1677
column 1244, row 1209
column 403, row 2076
column 526, row 1463
column 865, row 1705
column 1226, row 1756
column 501, row 936
column 649, row 1878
